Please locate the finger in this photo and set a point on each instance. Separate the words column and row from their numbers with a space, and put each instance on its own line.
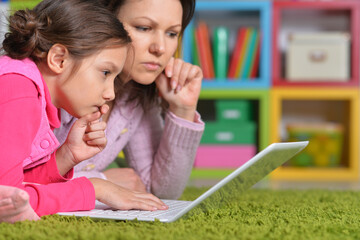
column 169, row 68
column 176, row 72
column 104, row 109
column 162, row 83
column 99, row 142
column 93, row 135
column 84, row 121
column 96, row 126
column 150, row 197
column 183, row 76
column 148, row 205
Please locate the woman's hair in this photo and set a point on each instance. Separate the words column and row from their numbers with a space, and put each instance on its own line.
column 146, row 94
column 82, row 26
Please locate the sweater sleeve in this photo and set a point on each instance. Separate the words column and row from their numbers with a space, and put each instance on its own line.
column 163, row 153
column 19, row 121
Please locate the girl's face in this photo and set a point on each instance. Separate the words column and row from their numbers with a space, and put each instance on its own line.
column 93, row 83
column 154, row 27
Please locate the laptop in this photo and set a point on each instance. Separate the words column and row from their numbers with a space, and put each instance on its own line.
column 226, row 191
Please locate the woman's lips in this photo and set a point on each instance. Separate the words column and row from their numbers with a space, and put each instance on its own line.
column 151, row 66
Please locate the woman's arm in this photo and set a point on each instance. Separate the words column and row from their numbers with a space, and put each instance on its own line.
column 163, row 153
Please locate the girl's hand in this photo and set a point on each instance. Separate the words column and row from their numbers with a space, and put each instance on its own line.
column 124, row 199
column 180, row 86
column 85, row 139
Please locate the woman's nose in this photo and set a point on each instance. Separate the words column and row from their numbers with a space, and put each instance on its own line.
column 158, row 45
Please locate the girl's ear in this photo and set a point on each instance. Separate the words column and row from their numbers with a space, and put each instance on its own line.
column 57, row 58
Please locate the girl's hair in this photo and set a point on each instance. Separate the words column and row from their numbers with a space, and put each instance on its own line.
column 146, row 94
column 82, row 26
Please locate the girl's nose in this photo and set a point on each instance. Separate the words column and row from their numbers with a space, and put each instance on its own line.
column 109, row 93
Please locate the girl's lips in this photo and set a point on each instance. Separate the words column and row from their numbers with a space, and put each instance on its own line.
column 151, row 66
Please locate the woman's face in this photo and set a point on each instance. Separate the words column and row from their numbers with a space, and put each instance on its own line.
column 154, row 27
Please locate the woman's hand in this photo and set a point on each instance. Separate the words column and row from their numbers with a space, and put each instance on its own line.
column 85, row 139
column 125, row 177
column 124, row 199
column 180, row 86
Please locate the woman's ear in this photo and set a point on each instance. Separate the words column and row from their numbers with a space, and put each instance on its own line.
column 57, row 58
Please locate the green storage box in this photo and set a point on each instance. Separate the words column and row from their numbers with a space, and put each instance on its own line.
column 229, row 133
column 234, row 111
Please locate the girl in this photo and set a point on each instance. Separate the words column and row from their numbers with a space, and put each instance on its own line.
column 160, row 154
column 63, row 54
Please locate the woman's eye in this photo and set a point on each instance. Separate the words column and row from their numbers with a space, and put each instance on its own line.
column 142, row 29
column 173, row 34
column 106, row 73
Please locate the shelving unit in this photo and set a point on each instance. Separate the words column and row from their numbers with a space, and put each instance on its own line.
column 329, row 104
column 247, row 13
column 261, row 97
column 233, row 15
column 327, row 99
column 314, row 16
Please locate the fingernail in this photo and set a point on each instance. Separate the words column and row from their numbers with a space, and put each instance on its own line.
column 164, row 207
column 178, row 88
column 154, row 208
column 173, row 84
column 168, row 73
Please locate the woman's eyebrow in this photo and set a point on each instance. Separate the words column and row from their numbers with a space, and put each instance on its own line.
column 155, row 22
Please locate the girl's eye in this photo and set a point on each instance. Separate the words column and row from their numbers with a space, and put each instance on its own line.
column 142, row 29
column 106, row 73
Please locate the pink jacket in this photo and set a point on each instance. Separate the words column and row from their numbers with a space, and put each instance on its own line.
column 45, row 141
column 28, row 146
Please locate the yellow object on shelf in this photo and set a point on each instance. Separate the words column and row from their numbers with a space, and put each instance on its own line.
column 325, row 144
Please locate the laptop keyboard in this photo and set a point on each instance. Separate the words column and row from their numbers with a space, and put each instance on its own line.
column 175, row 206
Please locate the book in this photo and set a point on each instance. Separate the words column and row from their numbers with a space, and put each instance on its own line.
column 254, row 69
column 250, row 54
column 194, row 48
column 240, row 73
column 244, row 47
column 221, row 52
column 236, row 54
column 204, row 50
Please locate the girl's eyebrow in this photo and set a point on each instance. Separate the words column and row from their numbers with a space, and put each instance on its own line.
column 112, row 66
column 155, row 22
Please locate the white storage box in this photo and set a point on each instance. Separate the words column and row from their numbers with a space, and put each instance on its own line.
column 321, row 56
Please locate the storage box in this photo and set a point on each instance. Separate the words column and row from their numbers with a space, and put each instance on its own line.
column 219, row 156
column 318, row 57
column 325, row 144
column 234, row 110
column 229, row 133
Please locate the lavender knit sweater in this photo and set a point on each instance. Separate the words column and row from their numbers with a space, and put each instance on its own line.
column 161, row 152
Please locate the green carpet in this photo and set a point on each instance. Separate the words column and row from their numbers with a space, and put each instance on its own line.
column 258, row 214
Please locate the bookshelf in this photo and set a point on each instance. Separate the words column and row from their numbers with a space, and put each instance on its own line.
column 314, row 16
column 316, row 100
column 234, row 14
column 330, row 100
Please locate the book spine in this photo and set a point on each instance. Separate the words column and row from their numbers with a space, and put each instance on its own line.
column 244, row 47
column 236, row 54
column 221, row 49
column 251, row 54
column 255, row 67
